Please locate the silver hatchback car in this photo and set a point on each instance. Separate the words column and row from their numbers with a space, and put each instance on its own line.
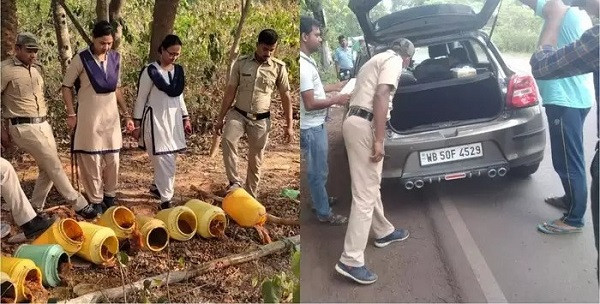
column 459, row 111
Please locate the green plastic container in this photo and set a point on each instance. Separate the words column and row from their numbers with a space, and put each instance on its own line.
column 47, row 257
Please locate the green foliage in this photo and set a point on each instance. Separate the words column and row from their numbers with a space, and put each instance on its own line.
column 340, row 20
column 207, row 30
column 122, row 258
column 517, row 29
column 282, row 287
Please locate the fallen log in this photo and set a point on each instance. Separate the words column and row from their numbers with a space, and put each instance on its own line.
column 270, row 218
column 194, row 271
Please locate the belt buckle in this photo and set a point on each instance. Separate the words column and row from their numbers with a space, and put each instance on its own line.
column 251, row 116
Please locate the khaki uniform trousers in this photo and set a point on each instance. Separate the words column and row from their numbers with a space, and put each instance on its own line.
column 38, row 140
column 258, row 135
column 99, row 175
column 366, row 212
column 13, row 194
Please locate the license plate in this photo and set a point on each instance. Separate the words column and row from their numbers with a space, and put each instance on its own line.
column 444, row 155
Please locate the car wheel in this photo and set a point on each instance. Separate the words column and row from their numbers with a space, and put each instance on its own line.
column 524, row 171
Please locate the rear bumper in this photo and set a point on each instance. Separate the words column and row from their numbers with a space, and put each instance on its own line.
column 515, row 139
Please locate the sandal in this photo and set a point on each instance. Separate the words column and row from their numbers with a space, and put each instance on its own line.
column 559, row 202
column 334, row 219
column 558, row 227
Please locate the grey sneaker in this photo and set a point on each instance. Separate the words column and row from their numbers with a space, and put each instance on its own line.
column 360, row 275
column 395, row 236
column 333, row 219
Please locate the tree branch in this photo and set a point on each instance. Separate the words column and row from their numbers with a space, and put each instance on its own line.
column 76, row 23
column 190, row 272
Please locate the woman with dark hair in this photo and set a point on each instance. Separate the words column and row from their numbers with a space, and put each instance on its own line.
column 161, row 117
column 95, row 73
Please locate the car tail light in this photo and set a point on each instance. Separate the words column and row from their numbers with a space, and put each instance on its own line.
column 522, row 91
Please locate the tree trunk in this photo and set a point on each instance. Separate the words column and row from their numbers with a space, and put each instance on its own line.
column 316, row 6
column 114, row 14
column 10, row 24
column 235, row 47
column 62, row 35
column 102, row 10
column 163, row 20
column 233, row 54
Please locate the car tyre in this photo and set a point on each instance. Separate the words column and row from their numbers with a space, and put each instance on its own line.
column 524, row 171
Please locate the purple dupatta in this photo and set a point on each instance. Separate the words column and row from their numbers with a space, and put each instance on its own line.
column 102, row 81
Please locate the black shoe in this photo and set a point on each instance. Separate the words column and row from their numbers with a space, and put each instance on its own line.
column 164, row 205
column 88, row 212
column 154, row 191
column 108, row 202
column 36, row 226
column 100, row 208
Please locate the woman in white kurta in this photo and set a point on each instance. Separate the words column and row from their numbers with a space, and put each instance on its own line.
column 161, row 116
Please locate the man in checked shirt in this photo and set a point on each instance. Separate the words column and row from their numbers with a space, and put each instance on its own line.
column 579, row 57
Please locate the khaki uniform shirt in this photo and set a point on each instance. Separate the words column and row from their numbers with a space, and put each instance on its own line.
column 22, row 90
column 256, row 82
column 383, row 68
column 98, row 127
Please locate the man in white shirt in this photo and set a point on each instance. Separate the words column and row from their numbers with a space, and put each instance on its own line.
column 313, row 110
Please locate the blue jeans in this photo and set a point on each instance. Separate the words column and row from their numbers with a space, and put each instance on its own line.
column 566, row 142
column 314, row 148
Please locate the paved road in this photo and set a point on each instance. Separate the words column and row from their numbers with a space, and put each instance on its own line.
column 413, row 271
column 471, row 240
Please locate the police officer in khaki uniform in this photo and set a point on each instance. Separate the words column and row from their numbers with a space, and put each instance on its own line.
column 20, row 207
column 24, row 112
column 363, row 131
column 251, row 83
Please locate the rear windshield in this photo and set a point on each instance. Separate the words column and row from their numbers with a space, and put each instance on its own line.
column 391, row 8
column 466, row 51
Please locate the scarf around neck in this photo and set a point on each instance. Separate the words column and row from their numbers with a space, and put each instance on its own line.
column 176, row 80
column 102, row 81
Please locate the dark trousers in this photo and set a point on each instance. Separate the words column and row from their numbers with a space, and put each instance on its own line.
column 566, row 142
column 595, row 198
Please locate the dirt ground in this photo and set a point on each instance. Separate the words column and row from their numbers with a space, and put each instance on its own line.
column 281, row 169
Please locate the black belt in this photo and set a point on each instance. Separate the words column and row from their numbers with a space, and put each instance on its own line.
column 356, row 111
column 251, row 116
column 27, row 120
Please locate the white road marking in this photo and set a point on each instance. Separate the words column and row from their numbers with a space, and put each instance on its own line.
column 491, row 290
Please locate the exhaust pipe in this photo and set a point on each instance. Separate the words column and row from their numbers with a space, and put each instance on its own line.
column 419, row 184
column 502, row 171
column 492, row 173
column 409, row 185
